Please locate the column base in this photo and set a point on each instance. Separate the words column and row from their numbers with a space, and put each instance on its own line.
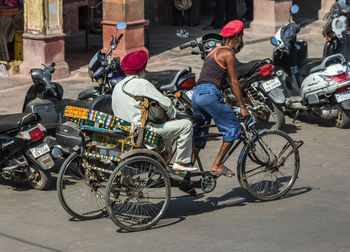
column 44, row 49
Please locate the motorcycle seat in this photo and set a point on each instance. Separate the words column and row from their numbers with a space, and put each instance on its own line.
column 160, row 78
column 309, row 64
column 244, row 70
column 103, row 103
column 165, row 80
column 15, row 121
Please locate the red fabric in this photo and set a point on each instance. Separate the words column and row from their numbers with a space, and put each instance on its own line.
column 232, row 28
column 134, row 62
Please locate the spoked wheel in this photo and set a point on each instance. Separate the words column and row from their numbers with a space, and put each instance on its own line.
column 80, row 189
column 138, row 193
column 269, row 165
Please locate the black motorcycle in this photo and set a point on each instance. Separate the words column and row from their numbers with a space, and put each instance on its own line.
column 337, row 30
column 258, row 82
column 24, row 155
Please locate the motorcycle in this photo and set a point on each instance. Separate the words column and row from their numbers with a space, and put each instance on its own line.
column 320, row 86
column 24, row 155
column 104, row 70
column 46, row 98
column 337, row 30
column 258, row 81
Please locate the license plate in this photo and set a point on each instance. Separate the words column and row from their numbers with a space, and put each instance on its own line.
column 271, row 84
column 40, row 150
column 343, row 96
column 189, row 94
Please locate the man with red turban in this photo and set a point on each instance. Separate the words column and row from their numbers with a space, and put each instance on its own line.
column 125, row 106
column 207, row 100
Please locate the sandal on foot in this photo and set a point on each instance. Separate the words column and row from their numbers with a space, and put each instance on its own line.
column 223, row 172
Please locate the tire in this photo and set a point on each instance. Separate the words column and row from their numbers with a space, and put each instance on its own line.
column 343, row 119
column 39, row 179
column 272, row 117
column 77, row 196
column 127, row 187
column 278, row 115
column 262, row 171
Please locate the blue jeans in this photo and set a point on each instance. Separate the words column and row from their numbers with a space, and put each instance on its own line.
column 208, row 103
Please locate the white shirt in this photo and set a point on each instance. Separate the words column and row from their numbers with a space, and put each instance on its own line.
column 127, row 108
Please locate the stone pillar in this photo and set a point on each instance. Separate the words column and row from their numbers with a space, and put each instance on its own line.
column 325, row 7
column 270, row 15
column 130, row 11
column 43, row 38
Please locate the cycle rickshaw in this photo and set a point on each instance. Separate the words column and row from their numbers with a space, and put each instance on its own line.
column 111, row 171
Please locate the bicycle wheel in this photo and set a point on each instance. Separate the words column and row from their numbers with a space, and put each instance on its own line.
column 269, row 166
column 138, row 193
column 80, row 190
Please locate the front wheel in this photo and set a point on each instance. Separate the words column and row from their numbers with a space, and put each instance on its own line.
column 343, row 118
column 269, row 165
column 138, row 193
column 80, row 189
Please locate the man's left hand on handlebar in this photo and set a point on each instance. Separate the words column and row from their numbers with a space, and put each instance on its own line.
column 245, row 113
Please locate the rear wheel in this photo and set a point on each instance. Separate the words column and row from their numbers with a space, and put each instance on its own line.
column 269, row 116
column 80, row 189
column 39, row 179
column 343, row 118
column 138, row 193
column 269, row 166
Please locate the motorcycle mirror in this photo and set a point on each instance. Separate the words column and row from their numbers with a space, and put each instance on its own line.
column 274, row 41
column 121, row 26
column 53, row 64
column 182, row 33
column 294, row 9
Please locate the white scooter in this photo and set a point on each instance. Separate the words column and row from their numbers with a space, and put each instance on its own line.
column 320, row 86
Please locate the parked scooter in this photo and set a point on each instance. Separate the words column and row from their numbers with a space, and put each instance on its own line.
column 337, row 30
column 24, row 155
column 319, row 86
column 258, row 81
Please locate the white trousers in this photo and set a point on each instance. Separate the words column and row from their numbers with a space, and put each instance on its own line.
column 182, row 132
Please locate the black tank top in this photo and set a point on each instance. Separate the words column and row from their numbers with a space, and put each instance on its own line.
column 213, row 71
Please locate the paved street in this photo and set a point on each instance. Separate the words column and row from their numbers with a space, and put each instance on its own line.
column 314, row 216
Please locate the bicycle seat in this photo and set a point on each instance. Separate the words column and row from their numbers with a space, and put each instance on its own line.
column 15, row 121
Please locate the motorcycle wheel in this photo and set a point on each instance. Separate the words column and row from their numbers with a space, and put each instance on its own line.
column 39, row 179
column 273, row 117
column 343, row 119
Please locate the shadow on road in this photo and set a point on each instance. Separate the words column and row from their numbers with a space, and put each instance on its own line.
column 183, row 206
column 38, row 246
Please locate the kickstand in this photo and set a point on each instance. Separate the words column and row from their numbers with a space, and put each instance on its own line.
column 296, row 115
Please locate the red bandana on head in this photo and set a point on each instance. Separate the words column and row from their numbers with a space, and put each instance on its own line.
column 134, row 62
column 232, row 28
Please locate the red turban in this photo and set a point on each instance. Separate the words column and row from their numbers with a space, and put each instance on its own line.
column 134, row 62
column 232, row 28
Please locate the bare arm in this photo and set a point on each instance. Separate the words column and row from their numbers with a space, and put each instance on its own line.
column 227, row 57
